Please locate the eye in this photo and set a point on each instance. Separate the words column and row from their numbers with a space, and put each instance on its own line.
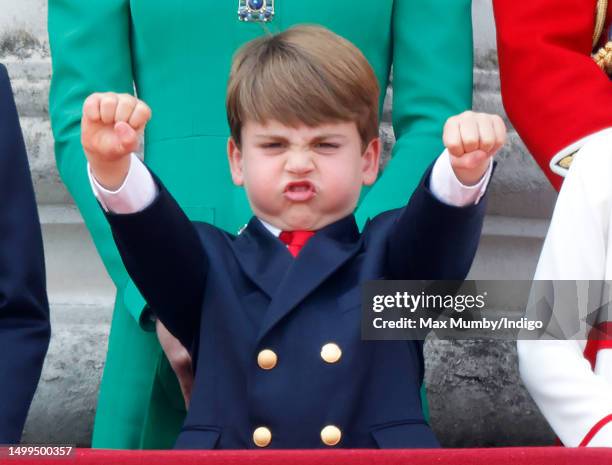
column 271, row 145
column 326, row 147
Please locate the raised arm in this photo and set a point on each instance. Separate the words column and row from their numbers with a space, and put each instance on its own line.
column 436, row 235
column 24, row 311
column 158, row 243
column 432, row 80
column 164, row 256
column 432, row 239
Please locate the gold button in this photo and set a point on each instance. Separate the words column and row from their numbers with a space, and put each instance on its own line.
column 262, row 436
column 331, row 353
column 267, row 359
column 331, row 435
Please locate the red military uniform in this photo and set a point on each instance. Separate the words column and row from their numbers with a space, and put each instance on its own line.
column 553, row 92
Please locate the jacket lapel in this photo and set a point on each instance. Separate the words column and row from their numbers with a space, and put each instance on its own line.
column 324, row 253
column 262, row 256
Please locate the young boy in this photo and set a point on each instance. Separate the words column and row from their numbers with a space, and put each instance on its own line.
column 272, row 315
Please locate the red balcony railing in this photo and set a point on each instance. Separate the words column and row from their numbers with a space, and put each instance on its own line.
column 492, row 456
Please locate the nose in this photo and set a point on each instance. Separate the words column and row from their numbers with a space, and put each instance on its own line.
column 299, row 161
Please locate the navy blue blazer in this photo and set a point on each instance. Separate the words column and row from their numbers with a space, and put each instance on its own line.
column 24, row 311
column 229, row 297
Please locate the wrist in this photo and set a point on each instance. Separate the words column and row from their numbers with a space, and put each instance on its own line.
column 110, row 174
column 471, row 176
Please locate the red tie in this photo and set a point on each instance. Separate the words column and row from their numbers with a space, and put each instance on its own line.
column 295, row 240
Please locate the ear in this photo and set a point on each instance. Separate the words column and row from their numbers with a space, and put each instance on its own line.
column 370, row 162
column 234, row 156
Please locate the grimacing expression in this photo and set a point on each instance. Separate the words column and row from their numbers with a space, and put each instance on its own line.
column 304, row 177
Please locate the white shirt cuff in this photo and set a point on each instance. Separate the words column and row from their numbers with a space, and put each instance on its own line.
column 136, row 193
column 447, row 188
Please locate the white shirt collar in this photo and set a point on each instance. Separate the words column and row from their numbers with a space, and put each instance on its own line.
column 273, row 229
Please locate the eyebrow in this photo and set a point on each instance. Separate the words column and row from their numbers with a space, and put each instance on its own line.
column 269, row 136
column 317, row 137
column 330, row 136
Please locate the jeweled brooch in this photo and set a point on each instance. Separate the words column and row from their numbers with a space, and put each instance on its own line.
column 256, row 10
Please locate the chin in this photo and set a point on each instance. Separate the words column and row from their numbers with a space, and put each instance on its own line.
column 301, row 226
column 300, row 221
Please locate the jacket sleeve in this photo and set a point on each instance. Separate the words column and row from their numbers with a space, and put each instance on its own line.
column 433, row 240
column 573, row 397
column 553, row 92
column 432, row 80
column 163, row 253
column 90, row 47
column 24, row 311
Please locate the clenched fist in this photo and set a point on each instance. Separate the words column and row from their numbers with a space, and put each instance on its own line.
column 472, row 139
column 111, row 129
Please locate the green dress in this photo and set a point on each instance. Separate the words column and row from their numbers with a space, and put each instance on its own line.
column 176, row 55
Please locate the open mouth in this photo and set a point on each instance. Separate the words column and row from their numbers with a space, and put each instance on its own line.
column 300, row 191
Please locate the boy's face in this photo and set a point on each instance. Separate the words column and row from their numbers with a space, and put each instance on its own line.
column 302, row 178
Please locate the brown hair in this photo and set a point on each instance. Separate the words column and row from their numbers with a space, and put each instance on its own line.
column 304, row 75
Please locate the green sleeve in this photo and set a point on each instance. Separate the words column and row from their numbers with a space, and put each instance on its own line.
column 90, row 48
column 432, row 80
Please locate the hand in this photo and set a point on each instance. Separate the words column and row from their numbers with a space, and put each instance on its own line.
column 472, row 139
column 179, row 359
column 111, row 129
